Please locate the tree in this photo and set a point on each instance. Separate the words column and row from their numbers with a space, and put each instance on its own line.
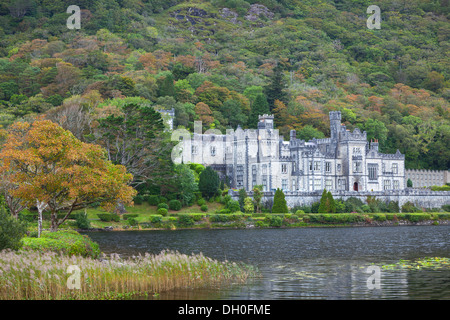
column 11, row 231
column 55, row 171
column 242, row 197
column 275, row 90
column 134, row 138
column 188, row 185
column 327, row 204
column 209, row 182
column 409, row 183
column 248, row 205
column 257, row 197
column 259, row 107
column 279, row 202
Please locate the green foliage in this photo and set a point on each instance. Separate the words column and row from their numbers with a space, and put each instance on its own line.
column 175, row 205
column 138, row 199
column 153, row 200
column 163, row 205
column 66, row 242
column 204, row 208
column 233, row 206
column 127, row 216
column 11, row 231
column 82, row 221
column 185, row 220
column 409, row 183
column 327, row 204
column 248, row 205
column 279, row 202
column 162, row 211
column 108, row 217
column 208, row 183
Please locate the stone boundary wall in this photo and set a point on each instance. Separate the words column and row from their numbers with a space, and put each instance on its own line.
column 420, row 198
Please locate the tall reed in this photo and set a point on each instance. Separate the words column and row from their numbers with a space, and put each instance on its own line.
column 43, row 275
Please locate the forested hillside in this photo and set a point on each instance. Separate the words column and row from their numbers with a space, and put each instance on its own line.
column 226, row 61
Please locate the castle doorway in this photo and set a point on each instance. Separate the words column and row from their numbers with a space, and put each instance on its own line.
column 355, row 186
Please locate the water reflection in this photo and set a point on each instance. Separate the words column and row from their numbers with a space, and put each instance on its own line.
column 310, row 263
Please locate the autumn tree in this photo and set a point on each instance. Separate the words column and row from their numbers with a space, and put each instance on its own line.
column 56, row 172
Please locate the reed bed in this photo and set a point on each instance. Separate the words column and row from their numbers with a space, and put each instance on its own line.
column 44, row 275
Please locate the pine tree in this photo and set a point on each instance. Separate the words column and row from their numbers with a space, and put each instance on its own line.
column 259, row 107
column 275, row 90
column 331, row 203
column 323, row 207
column 279, row 202
column 209, row 182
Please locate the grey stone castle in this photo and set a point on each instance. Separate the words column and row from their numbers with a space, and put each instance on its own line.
column 344, row 162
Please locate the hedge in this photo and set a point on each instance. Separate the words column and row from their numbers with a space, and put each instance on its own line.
column 107, row 217
column 127, row 216
column 68, row 242
column 175, row 205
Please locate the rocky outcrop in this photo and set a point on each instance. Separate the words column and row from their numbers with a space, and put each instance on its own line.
column 258, row 10
column 229, row 15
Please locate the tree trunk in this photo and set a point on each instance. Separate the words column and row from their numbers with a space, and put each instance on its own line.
column 120, row 208
column 40, row 206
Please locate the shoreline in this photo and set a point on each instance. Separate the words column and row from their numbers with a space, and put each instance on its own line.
column 248, row 226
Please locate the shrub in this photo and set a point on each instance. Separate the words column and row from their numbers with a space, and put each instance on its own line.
column 175, row 205
column 409, row 207
column 162, row 199
column 163, row 205
column 233, row 206
column 104, row 217
column 204, row 208
column 68, row 242
column 226, row 199
column 153, row 200
column 443, row 216
column 279, row 202
column 201, row 201
column 379, row 217
column 162, row 212
column 139, row 199
column 82, row 221
column 155, row 219
column 132, row 222
column 185, row 220
column 11, row 231
column 299, row 212
column 127, row 216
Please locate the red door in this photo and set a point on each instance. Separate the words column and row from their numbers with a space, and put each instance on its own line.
column 355, row 186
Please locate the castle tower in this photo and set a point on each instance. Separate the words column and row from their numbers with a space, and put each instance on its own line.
column 265, row 121
column 335, row 124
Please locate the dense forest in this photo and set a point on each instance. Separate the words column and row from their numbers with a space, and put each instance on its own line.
column 224, row 62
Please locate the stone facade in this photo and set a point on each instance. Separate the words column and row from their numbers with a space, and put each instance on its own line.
column 344, row 162
column 420, row 198
column 427, row 178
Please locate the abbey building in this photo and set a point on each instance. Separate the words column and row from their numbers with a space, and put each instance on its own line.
column 346, row 161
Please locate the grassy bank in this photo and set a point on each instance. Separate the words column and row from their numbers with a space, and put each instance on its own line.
column 146, row 217
column 44, row 275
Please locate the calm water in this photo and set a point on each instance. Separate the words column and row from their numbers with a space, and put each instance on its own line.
column 305, row 263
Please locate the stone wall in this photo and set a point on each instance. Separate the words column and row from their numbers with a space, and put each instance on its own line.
column 420, row 198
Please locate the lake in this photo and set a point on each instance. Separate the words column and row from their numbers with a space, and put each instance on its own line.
column 304, row 263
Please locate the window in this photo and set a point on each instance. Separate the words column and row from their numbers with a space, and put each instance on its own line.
column 240, row 175
column 396, row 185
column 293, row 166
column 284, row 168
column 357, row 167
column 264, row 183
column 356, row 151
column 317, row 184
column 294, row 186
column 310, row 165
column 316, row 165
column 213, row 151
column 339, row 167
column 329, row 184
column 395, row 168
column 328, row 166
column 387, row 184
column 264, row 168
column 194, row 149
column 383, row 166
column 372, row 168
column 284, row 185
column 341, row 184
